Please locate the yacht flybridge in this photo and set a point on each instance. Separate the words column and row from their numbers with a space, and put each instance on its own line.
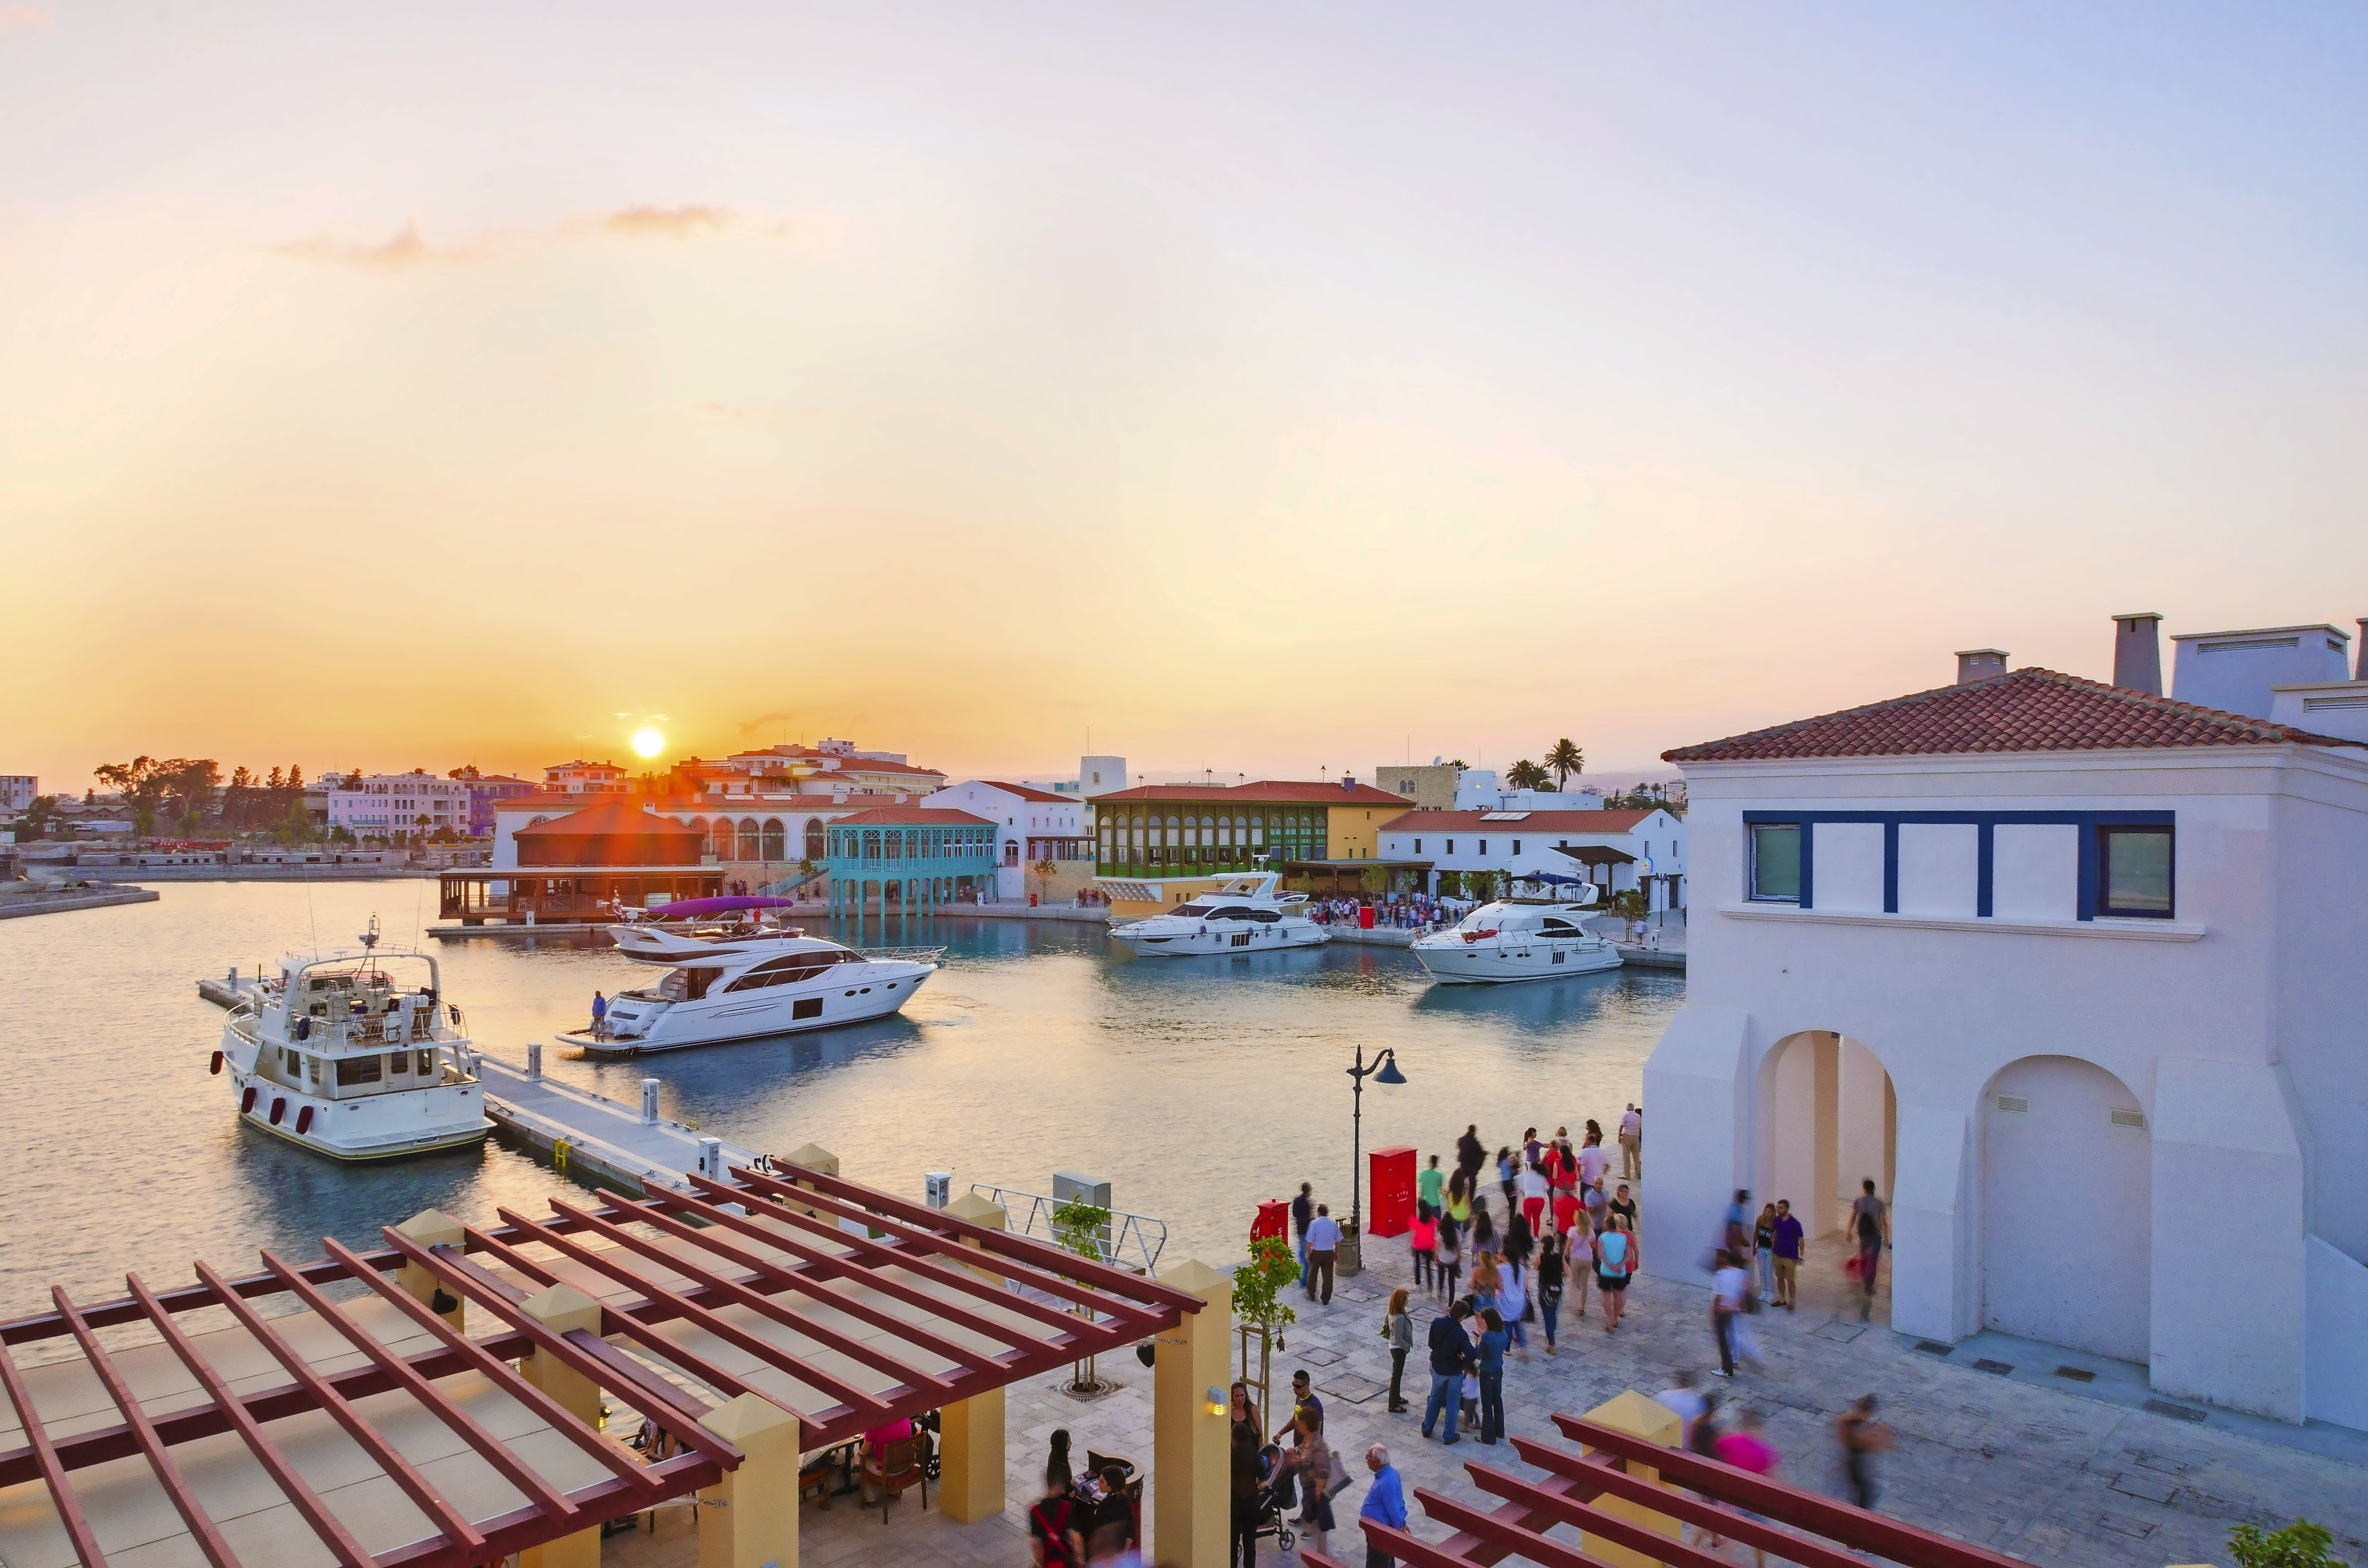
column 1517, row 938
column 744, row 982
column 1241, row 914
column 355, row 1054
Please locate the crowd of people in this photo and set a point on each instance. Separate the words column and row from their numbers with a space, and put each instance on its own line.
column 1406, row 911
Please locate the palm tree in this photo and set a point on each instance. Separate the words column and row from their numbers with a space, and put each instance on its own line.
column 1565, row 759
column 1526, row 775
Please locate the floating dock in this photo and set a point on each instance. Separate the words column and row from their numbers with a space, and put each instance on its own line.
column 587, row 1136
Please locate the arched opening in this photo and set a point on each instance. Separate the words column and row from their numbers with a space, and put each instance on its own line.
column 2068, row 1208
column 706, row 839
column 775, row 842
column 817, row 840
column 751, row 839
column 1831, row 1121
column 726, row 846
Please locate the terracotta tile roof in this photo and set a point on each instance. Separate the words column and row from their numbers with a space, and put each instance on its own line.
column 913, row 817
column 2031, row 709
column 1606, row 820
column 1303, row 792
column 1027, row 792
column 614, row 814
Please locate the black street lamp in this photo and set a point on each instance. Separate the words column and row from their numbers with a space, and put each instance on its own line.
column 1384, row 1070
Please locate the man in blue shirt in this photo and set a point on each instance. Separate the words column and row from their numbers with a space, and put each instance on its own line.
column 1787, row 1253
column 1492, row 1376
column 1322, row 1245
column 1303, row 1214
column 1450, row 1353
column 1385, row 1502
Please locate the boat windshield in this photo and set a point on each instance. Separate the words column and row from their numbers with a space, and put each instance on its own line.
column 1192, row 911
column 1487, row 917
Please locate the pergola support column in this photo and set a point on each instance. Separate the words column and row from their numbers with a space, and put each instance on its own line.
column 563, row 1308
column 750, row 1519
column 971, row 1431
column 432, row 1228
column 1656, row 1423
column 1192, row 1511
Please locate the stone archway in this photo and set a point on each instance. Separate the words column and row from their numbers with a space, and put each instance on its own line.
column 2068, row 1208
column 1831, row 1120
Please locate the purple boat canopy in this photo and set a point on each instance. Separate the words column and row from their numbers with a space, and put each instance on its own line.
column 700, row 906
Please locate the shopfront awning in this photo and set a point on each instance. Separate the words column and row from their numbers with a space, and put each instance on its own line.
column 1595, row 855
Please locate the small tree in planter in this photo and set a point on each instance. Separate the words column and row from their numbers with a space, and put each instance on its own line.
column 1081, row 1228
column 2300, row 1545
column 1259, row 1309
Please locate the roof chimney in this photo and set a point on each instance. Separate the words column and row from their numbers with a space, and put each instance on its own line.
column 2138, row 653
column 1975, row 664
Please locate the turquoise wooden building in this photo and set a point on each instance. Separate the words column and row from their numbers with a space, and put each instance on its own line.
column 910, row 858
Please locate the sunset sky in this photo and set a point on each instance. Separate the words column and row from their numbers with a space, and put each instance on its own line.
column 1260, row 388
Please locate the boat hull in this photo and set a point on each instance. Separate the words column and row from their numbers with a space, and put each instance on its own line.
column 734, row 1017
column 1494, row 965
column 1206, row 944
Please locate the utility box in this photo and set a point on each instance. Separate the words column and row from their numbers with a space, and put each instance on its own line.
column 1364, row 917
column 1390, row 1173
column 1075, row 1187
column 1273, row 1219
column 938, row 1188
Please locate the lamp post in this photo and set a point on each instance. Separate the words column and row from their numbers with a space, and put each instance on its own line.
column 1384, row 1070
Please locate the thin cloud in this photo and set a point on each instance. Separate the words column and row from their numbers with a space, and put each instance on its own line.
column 405, row 250
column 25, row 19
column 694, row 222
column 763, row 722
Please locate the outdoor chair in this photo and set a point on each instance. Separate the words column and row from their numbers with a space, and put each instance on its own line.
column 896, row 1466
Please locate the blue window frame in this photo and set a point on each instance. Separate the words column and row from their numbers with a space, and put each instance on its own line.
column 2135, row 871
column 1776, row 861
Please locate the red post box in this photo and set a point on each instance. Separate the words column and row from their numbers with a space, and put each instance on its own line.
column 1390, row 1172
column 1365, row 916
column 1273, row 1219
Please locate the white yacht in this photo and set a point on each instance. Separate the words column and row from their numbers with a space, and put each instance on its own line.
column 1518, row 939
column 355, row 1054
column 1241, row 912
column 763, row 980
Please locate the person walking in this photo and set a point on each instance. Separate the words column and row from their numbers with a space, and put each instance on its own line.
column 1245, row 1480
column 1470, row 1155
column 1483, row 1229
column 1565, row 1210
column 1506, row 1168
column 1322, row 1245
column 1052, row 1534
column 1632, row 1143
column 1789, row 1238
column 600, row 1016
column 1303, row 1214
column 1579, row 1258
column 1485, row 1278
column 1431, row 1186
column 1763, row 1251
column 1747, row 1449
column 1315, row 1476
column 1446, row 1260
column 1737, row 1236
column 1397, row 1327
column 1730, row 1287
column 1450, row 1353
column 1861, row 1437
column 1513, row 1302
column 1422, row 1238
column 1682, row 1397
column 1593, row 1161
column 1535, row 1189
column 1872, row 1220
column 1493, row 1339
column 1385, row 1502
column 1459, row 1202
column 1616, row 1263
column 1550, row 1287
column 1625, row 1205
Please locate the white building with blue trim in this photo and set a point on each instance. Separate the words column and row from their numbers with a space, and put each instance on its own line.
column 2071, row 972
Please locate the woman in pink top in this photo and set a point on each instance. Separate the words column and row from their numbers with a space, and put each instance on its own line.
column 1746, row 1448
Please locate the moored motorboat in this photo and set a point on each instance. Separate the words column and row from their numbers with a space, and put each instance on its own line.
column 1517, row 938
column 1240, row 914
column 355, row 1054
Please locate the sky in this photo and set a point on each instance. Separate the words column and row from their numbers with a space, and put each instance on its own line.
column 1257, row 388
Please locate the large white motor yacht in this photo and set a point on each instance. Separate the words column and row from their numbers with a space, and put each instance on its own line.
column 355, row 1054
column 1242, row 912
column 1518, row 939
column 747, row 984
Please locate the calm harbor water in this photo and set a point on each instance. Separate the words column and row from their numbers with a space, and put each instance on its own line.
column 1197, row 1087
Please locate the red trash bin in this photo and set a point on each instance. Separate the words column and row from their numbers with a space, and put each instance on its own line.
column 1273, row 1219
column 1390, row 1173
column 1365, row 916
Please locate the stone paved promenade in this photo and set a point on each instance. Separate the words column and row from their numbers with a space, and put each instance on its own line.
column 2052, row 1476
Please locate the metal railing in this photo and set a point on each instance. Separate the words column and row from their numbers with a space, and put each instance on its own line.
column 1132, row 1241
column 914, row 955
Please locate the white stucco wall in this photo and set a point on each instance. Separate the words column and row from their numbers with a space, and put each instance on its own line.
column 2255, row 976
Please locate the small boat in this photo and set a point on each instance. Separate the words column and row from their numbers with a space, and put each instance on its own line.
column 746, row 981
column 355, row 1054
column 1240, row 914
column 1517, row 938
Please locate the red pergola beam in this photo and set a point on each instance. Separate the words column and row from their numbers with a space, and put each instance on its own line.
column 449, row 1520
column 326, row 1525
column 765, row 1306
column 1820, row 1515
column 1513, row 1538
column 1604, row 1473
column 1138, row 1286
column 176, row 1485
column 124, row 1309
column 52, row 1467
column 523, row 1527
column 517, row 1471
column 787, row 1362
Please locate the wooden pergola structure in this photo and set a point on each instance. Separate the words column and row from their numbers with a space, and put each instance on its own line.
column 775, row 1314
column 1628, row 1495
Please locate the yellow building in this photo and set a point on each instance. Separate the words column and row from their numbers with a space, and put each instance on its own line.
column 1158, row 845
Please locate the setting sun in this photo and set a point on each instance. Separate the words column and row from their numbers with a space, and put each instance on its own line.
column 648, row 743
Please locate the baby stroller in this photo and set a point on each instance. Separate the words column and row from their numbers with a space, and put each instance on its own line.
column 1278, row 1494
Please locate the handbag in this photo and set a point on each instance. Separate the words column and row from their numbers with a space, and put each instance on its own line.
column 1337, row 1477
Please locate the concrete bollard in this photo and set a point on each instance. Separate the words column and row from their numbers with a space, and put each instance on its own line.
column 534, row 1059
column 938, row 1188
column 711, row 1158
column 649, row 1102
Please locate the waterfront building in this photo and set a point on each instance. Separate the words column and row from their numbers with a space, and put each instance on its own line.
column 2068, row 969
column 1619, row 850
column 581, row 864
column 17, row 792
column 582, row 778
column 1324, row 838
column 379, row 805
column 1430, row 786
column 914, row 858
column 487, row 791
column 1034, row 826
